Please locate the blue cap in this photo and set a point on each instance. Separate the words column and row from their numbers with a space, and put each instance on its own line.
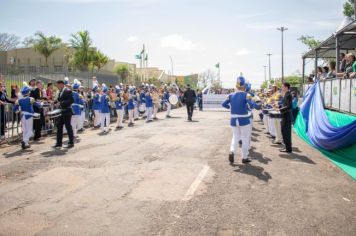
column 25, row 90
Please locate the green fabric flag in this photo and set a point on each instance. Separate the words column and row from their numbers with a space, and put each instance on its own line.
column 344, row 158
column 146, row 58
column 217, row 65
column 138, row 57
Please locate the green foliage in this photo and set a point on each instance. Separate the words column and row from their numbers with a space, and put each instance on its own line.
column 84, row 52
column 264, row 85
column 309, row 41
column 45, row 45
column 123, row 71
column 349, row 8
column 154, row 81
column 98, row 60
column 294, row 80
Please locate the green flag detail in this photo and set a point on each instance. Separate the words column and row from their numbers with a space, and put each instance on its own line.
column 138, row 57
column 217, row 65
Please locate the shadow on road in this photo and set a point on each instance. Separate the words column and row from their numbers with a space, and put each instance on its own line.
column 259, row 157
column 252, row 170
column 255, row 135
column 297, row 157
column 56, row 152
column 18, row 153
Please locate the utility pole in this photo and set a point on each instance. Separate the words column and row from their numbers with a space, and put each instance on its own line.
column 282, row 29
column 265, row 73
column 269, row 66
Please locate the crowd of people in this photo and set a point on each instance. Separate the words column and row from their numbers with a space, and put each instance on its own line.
column 347, row 69
column 71, row 101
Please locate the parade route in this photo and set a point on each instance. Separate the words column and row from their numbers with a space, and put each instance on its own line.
column 172, row 177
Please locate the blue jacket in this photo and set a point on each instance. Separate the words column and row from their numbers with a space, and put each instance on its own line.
column 166, row 97
column 149, row 101
column 142, row 97
column 104, row 104
column 118, row 104
column 130, row 104
column 96, row 102
column 26, row 104
column 77, row 104
column 238, row 104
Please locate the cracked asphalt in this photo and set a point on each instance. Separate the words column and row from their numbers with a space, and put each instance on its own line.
column 172, row 177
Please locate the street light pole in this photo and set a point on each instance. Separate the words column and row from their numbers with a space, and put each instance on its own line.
column 282, row 29
column 265, row 73
column 171, row 67
column 269, row 66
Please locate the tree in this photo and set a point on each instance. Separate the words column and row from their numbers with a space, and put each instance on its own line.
column 8, row 41
column 123, row 71
column 309, row 41
column 349, row 8
column 264, row 85
column 82, row 44
column 45, row 45
column 98, row 60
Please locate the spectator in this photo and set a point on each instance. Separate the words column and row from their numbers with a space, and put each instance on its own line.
column 3, row 100
column 342, row 62
column 332, row 70
column 319, row 73
column 49, row 91
column 295, row 106
column 350, row 60
column 353, row 74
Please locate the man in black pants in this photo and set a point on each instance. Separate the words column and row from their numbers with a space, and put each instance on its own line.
column 36, row 93
column 65, row 100
column 189, row 98
column 286, row 123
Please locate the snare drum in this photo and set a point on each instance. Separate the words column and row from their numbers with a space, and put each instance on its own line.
column 36, row 116
column 142, row 108
column 173, row 99
column 275, row 114
column 54, row 114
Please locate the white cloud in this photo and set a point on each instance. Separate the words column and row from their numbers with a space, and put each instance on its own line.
column 243, row 52
column 178, row 42
column 132, row 39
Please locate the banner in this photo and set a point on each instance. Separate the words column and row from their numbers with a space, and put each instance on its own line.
column 213, row 101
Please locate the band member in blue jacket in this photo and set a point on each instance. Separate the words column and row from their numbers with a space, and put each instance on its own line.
column 25, row 106
column 76, row 108
column 240, row 122
column 166, row 101
column 104, row 110
column 96, row 105
column 131, row 107
column 119, row 106
column 149, row 106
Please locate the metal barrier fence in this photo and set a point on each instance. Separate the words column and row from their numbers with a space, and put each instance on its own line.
column 338, row 94
column 10, row 122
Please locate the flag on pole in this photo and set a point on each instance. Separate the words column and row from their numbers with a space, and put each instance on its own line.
column 146, row 58
column 138, row 57
column 217, row 65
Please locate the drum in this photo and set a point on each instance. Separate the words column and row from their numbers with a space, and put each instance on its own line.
column 173, row 99
column 275, row 114
column 54, row 113
column 265, row 111
column 142, row 108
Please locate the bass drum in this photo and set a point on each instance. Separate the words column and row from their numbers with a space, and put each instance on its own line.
column 173, row 99
column 142, row 108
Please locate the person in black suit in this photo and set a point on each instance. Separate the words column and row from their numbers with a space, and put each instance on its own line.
column 65, row 99
column 286, row 123
column 36, row 93
column 189, row 98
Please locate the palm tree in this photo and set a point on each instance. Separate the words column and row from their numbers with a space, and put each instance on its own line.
column 46, row 45
column 123, row 71
column 99, row 60
column 82, row 44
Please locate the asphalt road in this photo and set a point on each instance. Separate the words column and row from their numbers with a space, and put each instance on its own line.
column 172, row 177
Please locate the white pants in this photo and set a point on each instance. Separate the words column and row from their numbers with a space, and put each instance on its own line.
column 75, row 122
column 265, row 121
column 104, row 121
column 250, row 134
column 149, row 111
column 135, row 115
column 27, row 129
column 271, row 126
column 131, row 116
column 155, row 110
column 278, row 130
column 120, row 117
column 96, row 118
column 169, row 107
column 82, row 120
column 241, row 133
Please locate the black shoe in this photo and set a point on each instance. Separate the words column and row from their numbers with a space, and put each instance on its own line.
column 246, row 160
column 70, row 145
column 168, row 116
column 286, row 151
column 57, row 145
column 231, row 157
column 23, row 145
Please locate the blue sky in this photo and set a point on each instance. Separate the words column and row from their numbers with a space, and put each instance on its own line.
column 196, row 33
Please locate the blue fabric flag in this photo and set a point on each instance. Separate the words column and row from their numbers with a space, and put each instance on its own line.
column 320, row 131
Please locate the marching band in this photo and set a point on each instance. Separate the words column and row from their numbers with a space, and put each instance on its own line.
column 71, row 100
